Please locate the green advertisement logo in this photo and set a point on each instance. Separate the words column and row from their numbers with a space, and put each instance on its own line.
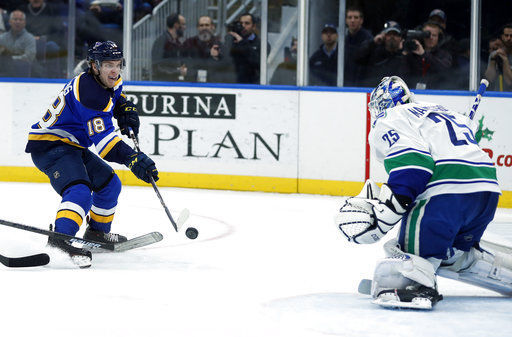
column 483, row 132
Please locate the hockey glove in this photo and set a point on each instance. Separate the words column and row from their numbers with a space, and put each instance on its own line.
column 127, row 116
column 142, row 166
column 368, row 220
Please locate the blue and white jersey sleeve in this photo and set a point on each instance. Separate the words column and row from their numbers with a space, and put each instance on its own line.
column 405, row 155
column 429, row 150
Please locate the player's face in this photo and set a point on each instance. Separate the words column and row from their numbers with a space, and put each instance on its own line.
column 109, row 72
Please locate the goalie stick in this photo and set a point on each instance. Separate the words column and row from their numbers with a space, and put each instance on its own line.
column 184, row 213
column 365, row 285
column 137, row 242
column 25, row 261
column 483, row 86
column 472, row 113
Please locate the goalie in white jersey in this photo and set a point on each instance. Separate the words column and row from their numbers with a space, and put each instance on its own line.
column 443, row 189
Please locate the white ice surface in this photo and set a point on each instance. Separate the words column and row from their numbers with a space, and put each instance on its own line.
column 265, row 265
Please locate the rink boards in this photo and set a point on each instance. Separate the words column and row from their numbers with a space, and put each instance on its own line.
column 276, row 139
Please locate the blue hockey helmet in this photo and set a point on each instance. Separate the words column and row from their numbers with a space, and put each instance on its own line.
column 104, row 51
column 390, row 92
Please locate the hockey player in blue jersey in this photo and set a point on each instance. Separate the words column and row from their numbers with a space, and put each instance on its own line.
column 82, row 116
column 442, row 188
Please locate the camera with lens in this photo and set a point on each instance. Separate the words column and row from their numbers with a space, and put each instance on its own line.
column 235, row 27
column 411, row 35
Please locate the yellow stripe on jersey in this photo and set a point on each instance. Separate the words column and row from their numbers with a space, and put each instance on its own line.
column 72, row 215
column 52, row 138
column 76, row 86
column 118, row 83
column 109, row 146
column 109, row 105
column 101, row 218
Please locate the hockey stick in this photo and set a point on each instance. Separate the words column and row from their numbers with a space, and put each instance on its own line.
column 184, row 214
column 25, row 261
column 139, row 241
column 483, row 86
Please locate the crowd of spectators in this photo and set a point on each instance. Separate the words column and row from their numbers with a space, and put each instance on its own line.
column 426, row 56
column 203, row 57
column 33, row 43
column 46, row 21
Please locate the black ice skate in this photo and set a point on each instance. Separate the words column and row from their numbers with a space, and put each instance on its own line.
column 412, row 298
column 99, row 236
column 81, row 257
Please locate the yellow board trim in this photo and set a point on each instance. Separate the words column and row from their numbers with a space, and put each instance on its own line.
column 72, row 215
column 224, row 182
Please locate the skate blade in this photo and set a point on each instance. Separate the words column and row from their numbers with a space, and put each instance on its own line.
column 81, row 261
column 419, row 303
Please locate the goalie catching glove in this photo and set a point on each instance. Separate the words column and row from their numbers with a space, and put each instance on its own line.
column 364, row 220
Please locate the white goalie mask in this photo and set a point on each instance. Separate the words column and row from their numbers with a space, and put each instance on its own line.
column 390, row 92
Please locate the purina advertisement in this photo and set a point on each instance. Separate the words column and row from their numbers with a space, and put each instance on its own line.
column 250, row 139
column 205, row 130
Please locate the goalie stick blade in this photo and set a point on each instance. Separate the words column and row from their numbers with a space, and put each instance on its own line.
column 25, row 261
column 365, row 287
column 496, row 246
column 139, row 241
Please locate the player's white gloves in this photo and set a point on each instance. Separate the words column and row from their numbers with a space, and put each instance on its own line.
column 366, row 218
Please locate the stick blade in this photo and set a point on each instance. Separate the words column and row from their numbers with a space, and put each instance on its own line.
column 182, row 218
column 25, row 261
column 139, row 241
column 365, row 287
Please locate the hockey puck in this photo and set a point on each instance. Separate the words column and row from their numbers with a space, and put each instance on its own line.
column 191, row 233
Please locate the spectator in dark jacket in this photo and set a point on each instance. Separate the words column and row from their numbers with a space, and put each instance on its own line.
column 428, row 65
column 167, row 54
column 354, row 38
column 244, row 47
column 45, row 23
column 323, row 64
column 382, row 55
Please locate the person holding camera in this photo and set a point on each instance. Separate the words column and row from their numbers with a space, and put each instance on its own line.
column 428, row 65
column 382, row 55
column 244, row 47
column 498, row 71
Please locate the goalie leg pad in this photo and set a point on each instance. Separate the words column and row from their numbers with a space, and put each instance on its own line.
column 482, row 268
column 400, row 270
